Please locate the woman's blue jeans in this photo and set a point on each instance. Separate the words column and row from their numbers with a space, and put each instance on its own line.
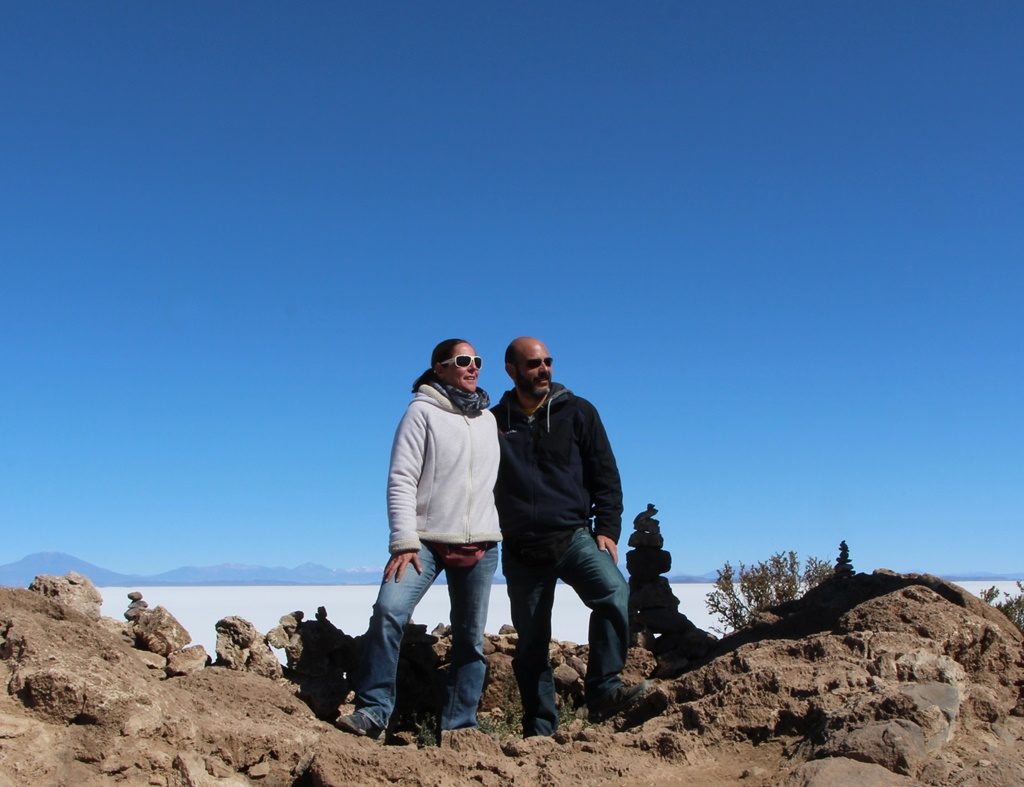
column 470, row 592
column 531, row 591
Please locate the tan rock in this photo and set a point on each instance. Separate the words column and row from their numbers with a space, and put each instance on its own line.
column 566, row 678
column 158, row 631
column 152, row 660
column 241, row 647
column 187, row 661
column 71, row 590
column 897, row 745
column 259, row 771
column 836, row 771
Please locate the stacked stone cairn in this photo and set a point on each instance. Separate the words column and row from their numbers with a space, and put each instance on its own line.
column 844, row 566
column 136, row 607
column 654, row 617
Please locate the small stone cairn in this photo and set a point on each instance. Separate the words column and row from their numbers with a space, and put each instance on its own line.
column 844, row 566
column 654, row 617
column 136, row 607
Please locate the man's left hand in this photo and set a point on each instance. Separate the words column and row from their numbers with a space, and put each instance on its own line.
column 605, row 544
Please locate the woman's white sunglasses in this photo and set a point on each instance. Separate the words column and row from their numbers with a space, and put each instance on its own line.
column 463, row 361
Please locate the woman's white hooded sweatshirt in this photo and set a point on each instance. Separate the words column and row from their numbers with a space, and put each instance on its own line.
column 443, row 467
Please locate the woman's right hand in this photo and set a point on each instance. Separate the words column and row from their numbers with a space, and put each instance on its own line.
column 396, row 565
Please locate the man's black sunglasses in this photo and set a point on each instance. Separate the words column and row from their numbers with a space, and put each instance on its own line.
column 534, row 363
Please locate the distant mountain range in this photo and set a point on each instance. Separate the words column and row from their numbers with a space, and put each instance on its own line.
column 22, row 572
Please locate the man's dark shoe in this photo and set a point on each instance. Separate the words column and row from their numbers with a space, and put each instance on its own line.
column 359, row 724
column 616, row 701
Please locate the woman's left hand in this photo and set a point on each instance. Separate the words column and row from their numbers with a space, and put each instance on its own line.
column 396, row 565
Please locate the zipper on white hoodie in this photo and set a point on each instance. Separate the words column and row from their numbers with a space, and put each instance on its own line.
column 469, row 492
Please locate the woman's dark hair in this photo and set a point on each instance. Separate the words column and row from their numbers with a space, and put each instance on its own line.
column 442, row 352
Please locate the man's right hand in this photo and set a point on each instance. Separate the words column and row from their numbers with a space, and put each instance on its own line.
column 605, row 544
column 396, row 565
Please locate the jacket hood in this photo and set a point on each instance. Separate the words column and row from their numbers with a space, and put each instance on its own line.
column 557, row 397
column 429, row 394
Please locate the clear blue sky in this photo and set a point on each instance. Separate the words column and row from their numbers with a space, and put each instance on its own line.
column 779, row 245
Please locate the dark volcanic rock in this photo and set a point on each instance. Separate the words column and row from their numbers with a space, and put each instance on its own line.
column 654, row 617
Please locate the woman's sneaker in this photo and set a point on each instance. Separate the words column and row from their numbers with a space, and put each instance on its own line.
column 359, row 724
column 616, row 701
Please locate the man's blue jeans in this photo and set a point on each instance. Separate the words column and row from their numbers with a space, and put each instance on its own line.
column 470, row 592
column 531, row 590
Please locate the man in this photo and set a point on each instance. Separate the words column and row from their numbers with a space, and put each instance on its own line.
column 558, row 473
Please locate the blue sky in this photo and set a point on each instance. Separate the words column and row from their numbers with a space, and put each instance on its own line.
column 779, row 245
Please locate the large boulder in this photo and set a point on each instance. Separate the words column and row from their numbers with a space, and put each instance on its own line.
column 158, row 631
column 71, row 590
column 241, row 647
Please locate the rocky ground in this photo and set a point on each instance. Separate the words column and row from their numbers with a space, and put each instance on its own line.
column 879, row 679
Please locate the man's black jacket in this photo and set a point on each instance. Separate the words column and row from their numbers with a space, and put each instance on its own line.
column 557, row 468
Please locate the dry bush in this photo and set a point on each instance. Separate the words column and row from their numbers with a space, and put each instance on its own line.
column 1011, row 606
column 739, row 595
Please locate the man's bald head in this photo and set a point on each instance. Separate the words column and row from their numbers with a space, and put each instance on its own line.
column 525, row 347
column 528, row 363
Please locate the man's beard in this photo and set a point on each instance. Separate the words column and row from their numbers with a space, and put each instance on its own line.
column 523, row 384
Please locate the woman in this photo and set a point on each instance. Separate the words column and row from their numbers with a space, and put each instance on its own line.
column 444, row 463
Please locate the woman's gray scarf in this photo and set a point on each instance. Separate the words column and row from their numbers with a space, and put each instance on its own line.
column 464, row 401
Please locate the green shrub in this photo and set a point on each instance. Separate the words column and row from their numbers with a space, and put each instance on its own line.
column 1011, row 606
column 425, row 727
column 505, row 719
column 739, row 595
column 569, row 711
